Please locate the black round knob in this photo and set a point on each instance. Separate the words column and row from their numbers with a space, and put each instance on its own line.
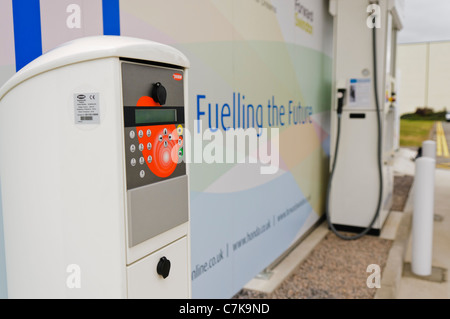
column 163, row 267
column 159, row 93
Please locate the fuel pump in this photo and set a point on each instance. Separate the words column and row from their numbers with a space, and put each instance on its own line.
column 359, row 194
column 94, row 186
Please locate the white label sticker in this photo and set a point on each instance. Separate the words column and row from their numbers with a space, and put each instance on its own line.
column 87, row 108
column 360, row 93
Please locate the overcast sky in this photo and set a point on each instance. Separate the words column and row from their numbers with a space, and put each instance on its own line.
column 426, row 20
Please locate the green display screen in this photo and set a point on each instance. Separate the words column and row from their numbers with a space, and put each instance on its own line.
column 151, row 116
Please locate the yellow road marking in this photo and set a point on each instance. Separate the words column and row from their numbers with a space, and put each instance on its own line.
column 438, row 139
column 441, row 142
column 444, row 144
column 443, row 165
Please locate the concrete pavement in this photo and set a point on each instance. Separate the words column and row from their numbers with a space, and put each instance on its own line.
column 420, row 288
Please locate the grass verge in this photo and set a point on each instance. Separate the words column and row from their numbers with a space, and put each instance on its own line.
column 414, row 132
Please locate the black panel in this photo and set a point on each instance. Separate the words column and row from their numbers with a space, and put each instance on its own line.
column 357, row 115
column 152, row 63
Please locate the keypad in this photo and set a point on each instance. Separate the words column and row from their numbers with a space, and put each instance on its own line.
column 156, row 151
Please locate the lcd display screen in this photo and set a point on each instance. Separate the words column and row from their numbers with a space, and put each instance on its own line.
column 154, row 115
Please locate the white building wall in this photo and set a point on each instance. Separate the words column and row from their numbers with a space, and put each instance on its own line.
column 425, row 76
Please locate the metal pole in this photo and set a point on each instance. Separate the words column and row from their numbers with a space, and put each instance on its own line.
column 422, row 228
column 429, row 149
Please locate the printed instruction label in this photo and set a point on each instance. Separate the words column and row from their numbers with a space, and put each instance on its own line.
column 360, row 93
column 87, row 108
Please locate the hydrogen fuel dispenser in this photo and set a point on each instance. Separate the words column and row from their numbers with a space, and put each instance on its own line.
column 94, row 186
column 364, row 115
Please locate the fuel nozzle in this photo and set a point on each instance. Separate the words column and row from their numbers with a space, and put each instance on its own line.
column 159, row 93
column 341, row 97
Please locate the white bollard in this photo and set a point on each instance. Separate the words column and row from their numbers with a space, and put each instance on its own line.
column 422, row 225
column 429, row 149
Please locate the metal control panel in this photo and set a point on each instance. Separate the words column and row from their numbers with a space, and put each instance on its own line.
column 154, row 121
column 153, row 101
